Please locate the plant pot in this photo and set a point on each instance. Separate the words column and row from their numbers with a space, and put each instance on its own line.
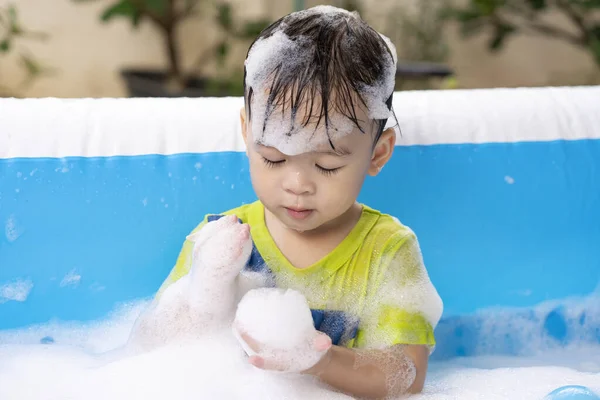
column 152, row 83
column 422, row 70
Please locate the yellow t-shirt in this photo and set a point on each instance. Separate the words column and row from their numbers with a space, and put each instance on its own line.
column 371, row 291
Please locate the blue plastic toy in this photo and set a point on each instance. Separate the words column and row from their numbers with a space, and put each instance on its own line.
column 572, row 392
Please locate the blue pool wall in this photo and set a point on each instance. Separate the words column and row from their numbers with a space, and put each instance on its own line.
column 509, row 229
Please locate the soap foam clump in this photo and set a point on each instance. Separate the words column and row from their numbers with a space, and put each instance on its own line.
column 280, row 323
column 278, row 317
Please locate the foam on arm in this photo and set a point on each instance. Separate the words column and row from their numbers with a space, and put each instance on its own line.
column 404, row 306
column 390, row 354
column 183, row 264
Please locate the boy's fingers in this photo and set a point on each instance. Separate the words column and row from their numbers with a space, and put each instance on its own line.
column 266, row 364
column 257, row 361
column 322, row 342
column 253, row 344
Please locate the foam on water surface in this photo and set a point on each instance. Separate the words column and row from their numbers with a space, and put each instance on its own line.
column 90, row 362
column 84, row 362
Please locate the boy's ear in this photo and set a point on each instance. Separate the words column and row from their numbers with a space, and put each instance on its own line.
column 243, row 122
column 383, row 151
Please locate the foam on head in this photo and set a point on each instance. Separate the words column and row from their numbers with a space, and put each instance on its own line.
column 312, row 60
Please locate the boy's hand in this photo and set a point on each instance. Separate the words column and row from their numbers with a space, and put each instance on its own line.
column 302, row 359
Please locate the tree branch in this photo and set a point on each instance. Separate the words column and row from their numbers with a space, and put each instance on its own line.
column 158, row 19
column 555, row 32
column 544, row 29
column 576, row 18
column 188, row 10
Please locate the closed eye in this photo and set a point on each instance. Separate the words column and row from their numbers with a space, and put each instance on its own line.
column 328, row 171
column 271, row 163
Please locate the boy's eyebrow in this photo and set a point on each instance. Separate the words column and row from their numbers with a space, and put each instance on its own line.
column 339, row 151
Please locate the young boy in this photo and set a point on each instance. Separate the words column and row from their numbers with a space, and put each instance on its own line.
column 318, row 96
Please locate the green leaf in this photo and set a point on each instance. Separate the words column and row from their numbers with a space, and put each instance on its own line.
column 158, row 6
column 124, row 8
column 468, row 15
column 595, row 49
column 486, row 7
column 471, row 21
column 537, row 4
column 221, row 52
column 502, row 31
column 589, row 4
column 31, row 66
column 224, row 17
column 595, row 31
column 5, row 46
column 252, row 29
column 12, row 13
column 471, row 28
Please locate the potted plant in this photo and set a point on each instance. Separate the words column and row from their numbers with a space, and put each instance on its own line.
column 166, row 16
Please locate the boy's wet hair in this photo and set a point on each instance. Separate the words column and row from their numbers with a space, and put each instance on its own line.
column 345, row 56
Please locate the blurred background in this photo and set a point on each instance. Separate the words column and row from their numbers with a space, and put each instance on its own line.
column 125, row 48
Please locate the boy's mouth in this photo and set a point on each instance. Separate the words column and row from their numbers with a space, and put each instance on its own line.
column 298, row 213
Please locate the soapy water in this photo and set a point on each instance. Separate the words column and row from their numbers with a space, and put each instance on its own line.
column 81, row 364
column 142, row 352
column 211, row 368
column 181, row 345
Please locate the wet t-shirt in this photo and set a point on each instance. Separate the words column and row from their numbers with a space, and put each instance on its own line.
column 371, row 291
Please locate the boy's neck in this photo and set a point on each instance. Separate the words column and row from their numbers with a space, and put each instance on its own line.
column 303, row 249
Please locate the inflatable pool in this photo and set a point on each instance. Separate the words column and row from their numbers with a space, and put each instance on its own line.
column 501, row 186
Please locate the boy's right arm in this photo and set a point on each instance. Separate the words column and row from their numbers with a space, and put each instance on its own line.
column 183, row 263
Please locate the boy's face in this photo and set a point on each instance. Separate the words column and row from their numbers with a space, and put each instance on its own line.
column 313, row 189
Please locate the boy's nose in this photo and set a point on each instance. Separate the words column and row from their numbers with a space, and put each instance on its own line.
column 297, row 183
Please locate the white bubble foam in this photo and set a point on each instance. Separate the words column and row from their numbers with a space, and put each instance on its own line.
column 284, row 131
column 280, row 321
column 183, row 347
column 92, row 362
column 507, row 378
column 71, row 279
column 209, row 367
column 406, row 285
column 12, row 230
column 279, row 317
column 17, row 290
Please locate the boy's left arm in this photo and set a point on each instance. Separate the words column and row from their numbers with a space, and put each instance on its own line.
column 393, row 371
column 370, row 374
column 392, row 348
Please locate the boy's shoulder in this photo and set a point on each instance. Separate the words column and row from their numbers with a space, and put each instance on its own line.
column 386, row 227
